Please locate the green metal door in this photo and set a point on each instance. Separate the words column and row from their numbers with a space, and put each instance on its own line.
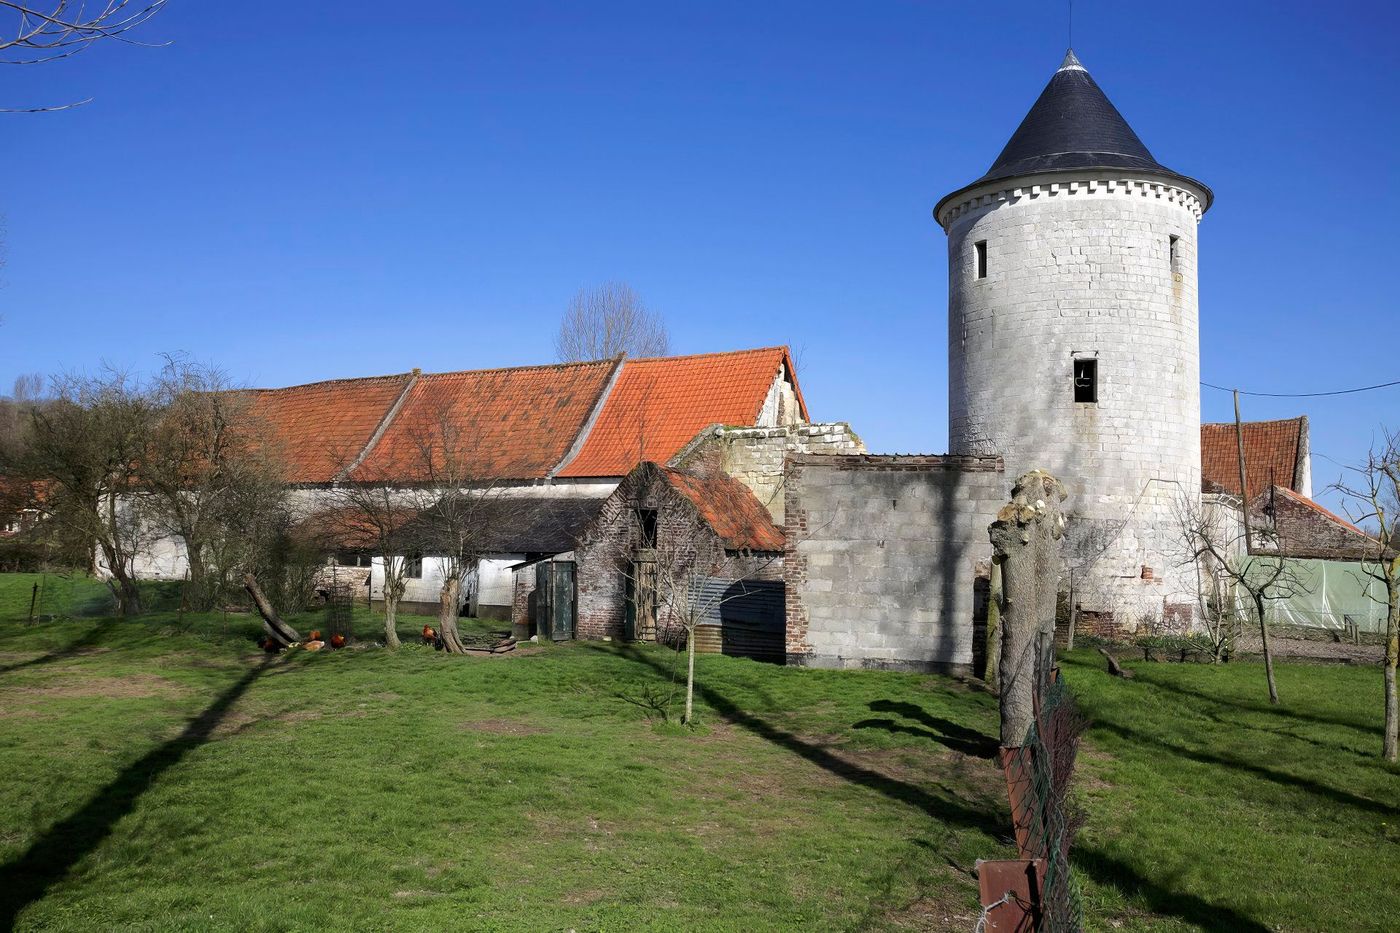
column 562, row 603
column 544, row 626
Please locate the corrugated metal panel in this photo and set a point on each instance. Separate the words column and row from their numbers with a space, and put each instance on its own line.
column 744, row 618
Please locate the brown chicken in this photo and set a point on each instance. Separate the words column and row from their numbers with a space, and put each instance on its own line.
column 337, row 641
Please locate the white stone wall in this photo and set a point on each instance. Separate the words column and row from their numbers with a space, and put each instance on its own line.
column 754, row 456
column 1079, row 265
column 882, row 554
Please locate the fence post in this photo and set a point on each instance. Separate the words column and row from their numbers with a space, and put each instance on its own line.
column 33, row 601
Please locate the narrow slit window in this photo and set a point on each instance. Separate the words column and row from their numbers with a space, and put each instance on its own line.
column 980, row 250
column 1086, row 380
column 646, row 520
column 1174, row 248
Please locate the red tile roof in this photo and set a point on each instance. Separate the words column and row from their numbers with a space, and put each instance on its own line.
column 320, row 428
column 519, row 423
column 1272, row 450
column 502, row 423
column 730, row 508
column 660, row 404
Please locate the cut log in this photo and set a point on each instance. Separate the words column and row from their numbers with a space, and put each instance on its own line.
column 276, row 629
column 1114, row 667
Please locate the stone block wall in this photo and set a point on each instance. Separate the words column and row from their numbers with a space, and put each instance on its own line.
column 754, row 456
column 881, row 557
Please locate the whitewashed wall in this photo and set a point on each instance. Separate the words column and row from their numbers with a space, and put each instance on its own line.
column 1079, row 266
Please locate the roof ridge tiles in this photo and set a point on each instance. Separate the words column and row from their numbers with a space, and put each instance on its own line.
column 694, row 356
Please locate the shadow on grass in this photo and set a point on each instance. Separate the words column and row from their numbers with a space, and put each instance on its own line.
column 75, row 647
column 1281, row 778
column 1143, row 674
column 947, row 809
column 943, row 731
column 1103, row 868
column 48, row 861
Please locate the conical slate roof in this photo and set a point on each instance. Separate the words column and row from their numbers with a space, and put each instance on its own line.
column 1073, row 125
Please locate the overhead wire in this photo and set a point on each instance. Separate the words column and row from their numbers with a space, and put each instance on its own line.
column 1382, row 385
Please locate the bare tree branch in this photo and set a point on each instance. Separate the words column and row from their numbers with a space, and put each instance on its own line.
column 609, row 320
column 58, row 29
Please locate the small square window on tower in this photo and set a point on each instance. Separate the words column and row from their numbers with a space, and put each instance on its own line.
column 980, row 258
column 1086, row 380
column 1174, row 247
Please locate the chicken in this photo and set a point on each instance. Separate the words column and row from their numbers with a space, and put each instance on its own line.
column 431, row 637
column 314, row 644
column 337, row 641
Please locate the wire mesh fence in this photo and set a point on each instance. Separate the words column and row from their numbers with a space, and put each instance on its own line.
column 1044, row 818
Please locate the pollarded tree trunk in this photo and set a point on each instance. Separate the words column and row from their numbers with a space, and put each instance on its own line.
column 449, row 601
column 391, row 612
column 1392, row 654
column 123, row 588
column 280, row 631
column 1268, row 654
column 198, row 583
column 993, row 640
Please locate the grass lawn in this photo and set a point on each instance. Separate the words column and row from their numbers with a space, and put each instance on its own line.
column 160, row 774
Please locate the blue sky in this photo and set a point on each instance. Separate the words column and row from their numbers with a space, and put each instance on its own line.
column 306, row 191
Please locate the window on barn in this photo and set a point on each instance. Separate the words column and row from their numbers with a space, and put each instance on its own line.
column 646, row 521
column 413, row 566
column 1086, row 380
column 980, row 250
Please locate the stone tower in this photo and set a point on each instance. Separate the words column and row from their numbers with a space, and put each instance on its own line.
column 1073, row 342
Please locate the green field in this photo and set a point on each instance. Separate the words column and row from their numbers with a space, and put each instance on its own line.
column 163, row 774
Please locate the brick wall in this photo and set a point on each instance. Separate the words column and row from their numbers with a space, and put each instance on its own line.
column 604, row 556
column 881, row 558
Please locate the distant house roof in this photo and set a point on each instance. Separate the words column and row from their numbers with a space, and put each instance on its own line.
column 581, row 420
column 320, row 427
column 547, row 525
column 1302, row 528
column 502, row 424
column 729, row 507
column 660, row 404
column 509, row 524
column 1275, row 453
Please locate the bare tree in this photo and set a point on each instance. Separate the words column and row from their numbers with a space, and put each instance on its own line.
column 40, row 31
column 461, row 508
column 1371, row 496
column 86, row 446
column 1216, row 592
column 609, row 320
column 1219, row 545
column 370, row 514
column 208, row 463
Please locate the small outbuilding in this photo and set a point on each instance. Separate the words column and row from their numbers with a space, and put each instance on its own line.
column 672, row 549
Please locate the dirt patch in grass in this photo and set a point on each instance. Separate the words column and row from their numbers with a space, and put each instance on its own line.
column 501, row 727
column 584, row 898
column 129, row 687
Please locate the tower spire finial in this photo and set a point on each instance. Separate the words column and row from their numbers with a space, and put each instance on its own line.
column 1071, row 62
